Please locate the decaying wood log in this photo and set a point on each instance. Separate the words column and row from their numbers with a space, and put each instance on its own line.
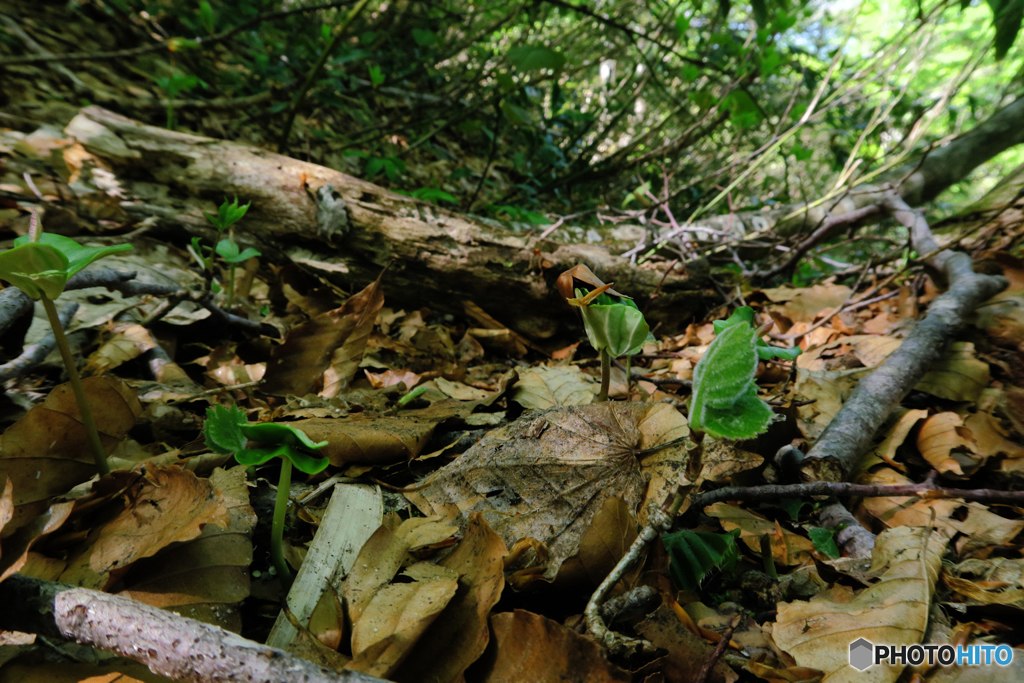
column 345, row 229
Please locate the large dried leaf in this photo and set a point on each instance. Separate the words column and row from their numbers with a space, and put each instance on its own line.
column 169, row 505
column 893, row 611
column 14, row 549
column 126, row 342
column 207, row 577
column 329, row 346
column 804, row 304
column 686, row 652
column 384, row 555
column 529, row 647
column 46, row 453
column 547, row 474
column 948, row 445
column 460, row 634
column 398, row 615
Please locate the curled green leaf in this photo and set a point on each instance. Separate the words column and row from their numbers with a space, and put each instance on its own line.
column 615, row 325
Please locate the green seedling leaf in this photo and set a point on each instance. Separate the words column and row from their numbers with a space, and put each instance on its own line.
column 277, row 433
column 745, row 314
column 35, row 269
column 228, row 250
column 223, row 429
column 78, row 256
column 615, row 324
column 44, row 267
column 792, row 506
column 228, row 432
column 299, row 458
column 824, row 542
column 724, row 402
column 227, row 214
column 727, row 369
column 744, row 419
column 695, row 554
column 281, row 441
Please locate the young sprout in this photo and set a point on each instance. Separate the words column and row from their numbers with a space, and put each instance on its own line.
column 614, row 324
column 228, row 432
column 724, row 403
column 228, row 213
column 40, row 265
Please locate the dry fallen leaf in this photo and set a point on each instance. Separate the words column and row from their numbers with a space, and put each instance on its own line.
column 544, row 387
column 529, row 647
column 547, row 474
column 207, row 577
column 461, row 631
column 46, row 453
column 166, row 506
column 329, row 346
column 894, row 611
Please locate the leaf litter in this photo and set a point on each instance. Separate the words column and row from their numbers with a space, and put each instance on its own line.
column 515, row 493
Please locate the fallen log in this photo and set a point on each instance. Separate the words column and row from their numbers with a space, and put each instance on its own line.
column 346, row 230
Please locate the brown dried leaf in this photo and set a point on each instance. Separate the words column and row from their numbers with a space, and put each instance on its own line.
column 168, row 505
column 397, row 616
column 126, row 342
column 384, row 554
column 330, row 345
column 461, row 632
column 204, row 578
column 980, row 525
column 529, row 647
column 948, row 445
column 686, row 652
column 893, row 611
column 804, row 304
column 544, row 387
column 546, row 475
column 787, row 547
column 46, row 453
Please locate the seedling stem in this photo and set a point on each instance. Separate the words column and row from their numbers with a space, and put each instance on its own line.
column 284, row 484
column 76, row 386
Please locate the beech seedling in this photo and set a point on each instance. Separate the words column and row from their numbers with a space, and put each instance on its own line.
column 228, row 432
column 41, row 265
column 614, row 324
column 724, row 403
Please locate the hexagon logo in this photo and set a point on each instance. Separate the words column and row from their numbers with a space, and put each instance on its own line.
column 861, row 654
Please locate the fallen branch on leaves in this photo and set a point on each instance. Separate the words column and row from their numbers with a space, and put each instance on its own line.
column 851, row 433
column 170, row 645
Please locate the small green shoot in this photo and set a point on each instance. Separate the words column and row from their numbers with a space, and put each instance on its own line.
column 724, row 403
column 41, row 267
column 228, row 432
column 228, row 213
